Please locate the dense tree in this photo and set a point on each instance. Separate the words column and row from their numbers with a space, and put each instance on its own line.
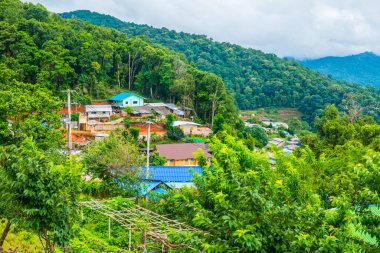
column 175, row 133
column 40, row 47
column 258, row 134
column 39, row 193
column 27, row 111
column 156, row 159
column 304, row 204
column 112, row 157
column 256, row 79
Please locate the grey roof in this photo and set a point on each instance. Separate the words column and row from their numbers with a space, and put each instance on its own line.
column 98, row 108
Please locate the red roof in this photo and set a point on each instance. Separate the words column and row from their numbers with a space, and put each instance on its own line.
column 181, row 151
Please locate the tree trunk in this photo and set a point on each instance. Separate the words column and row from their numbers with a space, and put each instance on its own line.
column 129, row 72
column 49, row 246
column 5, row 233
column 213, row 108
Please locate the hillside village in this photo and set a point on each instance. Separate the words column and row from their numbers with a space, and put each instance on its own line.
column 127, row 110
column 98, row 119
column 120, row 137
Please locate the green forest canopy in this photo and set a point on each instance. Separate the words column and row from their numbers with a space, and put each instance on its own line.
column 41, row 48
column 256, row 79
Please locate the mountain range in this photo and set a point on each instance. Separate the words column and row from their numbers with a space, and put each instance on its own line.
column 255, row 79
column 360, row 68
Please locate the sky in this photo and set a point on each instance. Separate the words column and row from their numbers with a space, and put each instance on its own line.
column 294, row 28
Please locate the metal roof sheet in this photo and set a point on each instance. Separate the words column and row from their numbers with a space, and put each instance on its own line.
column 98, row 108
column 172, row 173
column 181, row 123
column 123, row 95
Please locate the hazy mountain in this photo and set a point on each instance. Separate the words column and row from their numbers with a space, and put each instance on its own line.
column 361, row 68
column 256, row 79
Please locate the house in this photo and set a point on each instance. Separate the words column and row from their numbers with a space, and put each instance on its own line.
column 160, row 110
column 142, row 111
column 277, row 142
column 175, row 110
column 163, row 110
column 181, row 154
column 265, row 121
column 147, row 187
column 174, row 176
column 98, row 112
column 105, row 126
column 247, row 124
column 191, row 128
column 280, row 124
column 126, row 99
column 83, row 122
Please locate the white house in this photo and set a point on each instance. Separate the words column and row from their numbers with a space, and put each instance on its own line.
column 98, row 111
column 127, row 99
column 280, row 124
column 192, row 128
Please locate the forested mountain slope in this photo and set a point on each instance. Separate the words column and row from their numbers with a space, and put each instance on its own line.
column 41, row 48
column 255, row 78
column 361, row 68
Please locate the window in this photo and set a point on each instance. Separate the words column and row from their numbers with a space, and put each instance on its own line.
column 171, row 162
column 135, row 102
column 93, row 113
column 126, row 102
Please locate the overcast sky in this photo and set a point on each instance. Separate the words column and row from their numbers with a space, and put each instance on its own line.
column 298, row 28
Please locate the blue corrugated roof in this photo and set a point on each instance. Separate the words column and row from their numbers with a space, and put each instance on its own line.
column 172, row 173
column 147, row 186
column 122, row 96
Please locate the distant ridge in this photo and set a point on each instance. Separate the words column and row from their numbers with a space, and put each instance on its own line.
column 255, row 79
column 361, row 68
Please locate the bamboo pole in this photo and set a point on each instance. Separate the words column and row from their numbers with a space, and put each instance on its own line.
column 109, row 228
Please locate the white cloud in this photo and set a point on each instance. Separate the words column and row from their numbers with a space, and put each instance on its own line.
column 299, row 28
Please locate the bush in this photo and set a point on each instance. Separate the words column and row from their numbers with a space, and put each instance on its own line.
column 175, row 133
column 259, row 134
column 135, row 132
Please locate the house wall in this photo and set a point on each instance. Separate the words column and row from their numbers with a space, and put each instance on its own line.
column 185, row 162
column 132, row 101
column 189, row 129
column 196, row 130
column 181, row 162
column 105, row 127
column 92, row 115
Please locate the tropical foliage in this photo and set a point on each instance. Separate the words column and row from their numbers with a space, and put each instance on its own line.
column 256, row 79
column 40, row 47
column 310, row 202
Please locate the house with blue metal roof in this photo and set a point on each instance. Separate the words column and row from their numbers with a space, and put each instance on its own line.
column 156, row 187
column 174, row 176
column 127, row 99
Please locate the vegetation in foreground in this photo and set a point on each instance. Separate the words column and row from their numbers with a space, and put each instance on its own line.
column 322, row 198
